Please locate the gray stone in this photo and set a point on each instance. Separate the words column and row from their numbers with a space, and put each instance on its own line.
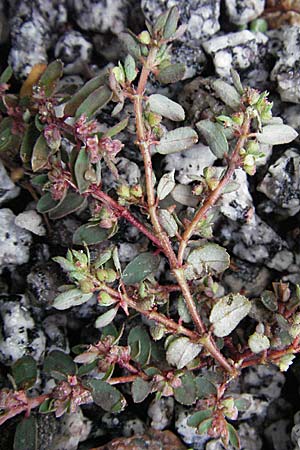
column 20, row 335
column 190, row 162
column 55, row 329
column 281, row 184
column 241, row 12
column 129, row 173
column 256, row 408
column 238, row 204
column 75, row 51
column 101, row 15
column 30, row 220
column 202, row 20
column 291, row 116
column 14, row 241
column 34, row 24
column 240, row 51
column 133, row 426
column 200, row 16
column 250, row 439
column 265, row 381
column 278, row 434
column 75, row 428
column 43, row 282
column 8, row 190
column 161, row 412
column 246, row 277
column 287, row 69
column 258, row 243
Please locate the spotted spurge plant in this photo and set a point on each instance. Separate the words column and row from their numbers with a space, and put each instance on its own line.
column 164, row 332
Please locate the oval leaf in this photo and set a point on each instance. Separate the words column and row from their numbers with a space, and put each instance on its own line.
column 140, row 345
column 90, row 234
column 26, row 435
column 40, row 154
column 168, row 222
column 166, row 185
column 181, row 351
column 107, row 396
column 214, row 137
column 51, row 75
column 82, row 164
column 277, row 134
column 106, row 318
column 73, row 297
column 177, row 140
column 258, row 342
column 228, row 312
column 140, row 389
column 46, row 203
column 73, row 104
column 171, row 73
column 228, row 94
column 186, row 394
column 24, row 372
column 71, row 203
column 95, row 101
column 140, row 267
column 165, row 107
column 58, row 361
column 209, row 256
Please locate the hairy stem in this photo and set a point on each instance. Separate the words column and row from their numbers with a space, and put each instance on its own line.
column 216, row 193
column 23, row 407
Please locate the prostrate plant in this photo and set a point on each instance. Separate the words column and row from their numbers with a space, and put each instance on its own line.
column 188, row 351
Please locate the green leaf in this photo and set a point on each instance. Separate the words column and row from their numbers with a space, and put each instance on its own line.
column 106, row 317
column 51, row 75
column 171, row 22
column 195, row 419
column 210, row 256
column 227, row 93
column 120, row 126
column 8, row 140
column 140, row 345
column 258, row 342
column 39, row 180
column 166, row 185
column 140, row 268
column 205, row 388
column 47, row 406
column 171, row 73
column 90, row 234
column 71, row 203
column 6, row 75
column 26, row 435
column 205, row 426
column 228, row 312
column 183, row 310
column 269, row 300
column 165, row 107
column 130, row 70
column 237, row 81
column 168, row 222
column 140, row 389
column 233, row 436
column 72, row 297
column 186, row 394
column 277, row 134
column 107, row 396
column 82, row 164
column 73, row 104
column 28, row 142
column 58, row 361
column 95, row 101
column 182, row 193
column 24, row 372
column 214, row 137
column 181, row 351
column 46, row 203
column 131, row 45
column 40, row 153
column 177, row 140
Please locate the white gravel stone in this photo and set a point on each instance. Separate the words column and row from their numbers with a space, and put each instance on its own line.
column 31, row 221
